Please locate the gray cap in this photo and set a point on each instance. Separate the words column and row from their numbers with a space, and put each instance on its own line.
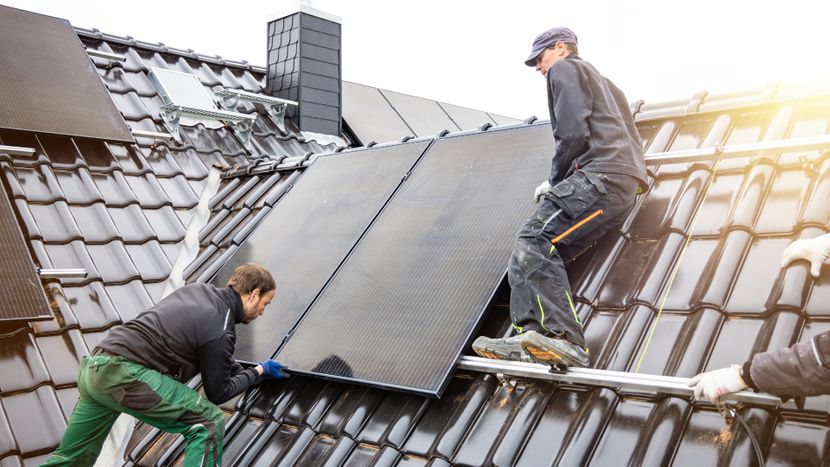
column 547, row 39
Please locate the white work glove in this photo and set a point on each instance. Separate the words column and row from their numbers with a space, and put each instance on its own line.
column 815, row 250
column 717, row 383
column 541, row 190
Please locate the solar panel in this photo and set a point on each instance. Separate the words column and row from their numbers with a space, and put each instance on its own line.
column 48, row 83
column 311, row 230
column 403, row 305
column 20, row 287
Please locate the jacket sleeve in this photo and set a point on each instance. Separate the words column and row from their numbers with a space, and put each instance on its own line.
column 221, row 375
column 571, row 108
column 800, row 370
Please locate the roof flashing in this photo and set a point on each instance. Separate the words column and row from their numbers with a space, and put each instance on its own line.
column 302, row 6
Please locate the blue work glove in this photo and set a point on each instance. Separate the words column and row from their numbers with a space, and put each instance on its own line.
column 273, row 369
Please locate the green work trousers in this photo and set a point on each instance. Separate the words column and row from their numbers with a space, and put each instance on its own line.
column 109, row 385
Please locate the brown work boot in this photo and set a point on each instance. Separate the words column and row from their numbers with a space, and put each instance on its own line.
column 546, row 349
column 505, row 348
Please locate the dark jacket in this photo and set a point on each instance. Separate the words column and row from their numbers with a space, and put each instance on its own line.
column 592, row 124
column 191, row 330
column 800, row 370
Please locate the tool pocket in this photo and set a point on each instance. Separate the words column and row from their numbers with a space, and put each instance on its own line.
column 137, row 396
column 577, row 193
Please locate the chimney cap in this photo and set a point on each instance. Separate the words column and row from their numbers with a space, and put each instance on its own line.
column 304, row 6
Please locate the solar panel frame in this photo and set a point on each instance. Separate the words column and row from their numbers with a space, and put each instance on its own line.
column 23, row 296
column 48, row 84
column 327, row 210
column 322, row 346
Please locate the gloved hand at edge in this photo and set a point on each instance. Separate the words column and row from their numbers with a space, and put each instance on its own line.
column 717, row 383
column 541, row 190
column 273, row 369
column 815, row 250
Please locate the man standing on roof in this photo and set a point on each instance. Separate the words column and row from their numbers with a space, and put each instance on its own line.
column 597, row 171
column 140, row 368
column 802, row 369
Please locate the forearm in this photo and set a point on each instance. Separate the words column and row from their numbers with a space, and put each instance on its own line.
column 799, row 370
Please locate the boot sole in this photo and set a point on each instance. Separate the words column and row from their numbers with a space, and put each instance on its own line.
column 485, row 347
column 556, row 351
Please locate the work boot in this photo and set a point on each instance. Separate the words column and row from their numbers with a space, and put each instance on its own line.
column 546, row 349
column 505, row 348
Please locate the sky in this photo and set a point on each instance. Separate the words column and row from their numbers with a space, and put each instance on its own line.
column 471, row 53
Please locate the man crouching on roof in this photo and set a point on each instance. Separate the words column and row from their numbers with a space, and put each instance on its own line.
column 140, row 368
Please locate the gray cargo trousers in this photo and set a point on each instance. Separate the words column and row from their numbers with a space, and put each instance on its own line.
column 540, row 294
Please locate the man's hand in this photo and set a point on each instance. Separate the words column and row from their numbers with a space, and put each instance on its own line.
column 273, row 369
column 815, row 250
column 718, row 383
column 541, row 190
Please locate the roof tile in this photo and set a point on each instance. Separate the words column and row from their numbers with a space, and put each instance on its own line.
column 62, row 354
column 20, row 363
column 78, row 187
column 132, row 223
column 115, row 189
column 95, row 223
column 73, row 255
column 132, row 298
column 91, row 305
column 55, row 222
column 113, row 262
column 165, row 223
column 148, row 191
column 179, row 192
column 37, row 419
column 150, row 260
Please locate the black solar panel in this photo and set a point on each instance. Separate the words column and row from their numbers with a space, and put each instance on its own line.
column 20, row 288
column 405, row 302
column 48, row 83
column 311, row 230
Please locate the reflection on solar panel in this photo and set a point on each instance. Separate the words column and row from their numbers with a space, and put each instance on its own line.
column 23, row 296
column 402, row 306
column 311, row 230
column 48, row 83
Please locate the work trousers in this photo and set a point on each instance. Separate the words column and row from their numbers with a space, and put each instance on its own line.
column 109, row 385
column 540, row 294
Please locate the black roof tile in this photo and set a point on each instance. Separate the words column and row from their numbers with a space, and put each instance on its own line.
column 19, row 356
column 94, row 222
column 62, row 354
column 132, row 298
column 91, row 305
column 132, row 223
column 37, row 420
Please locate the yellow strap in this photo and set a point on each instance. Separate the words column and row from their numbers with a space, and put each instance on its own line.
column 677, row 265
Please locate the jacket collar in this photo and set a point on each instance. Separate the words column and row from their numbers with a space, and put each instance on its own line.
column 234, row 301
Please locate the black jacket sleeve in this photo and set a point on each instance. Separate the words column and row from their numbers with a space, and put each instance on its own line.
column 570, row 104
column 221, row 375
column 800, row 370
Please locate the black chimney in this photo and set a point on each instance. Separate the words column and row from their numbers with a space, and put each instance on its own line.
column 304, row 66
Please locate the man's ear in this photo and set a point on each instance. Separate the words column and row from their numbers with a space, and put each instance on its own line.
column 255, row 294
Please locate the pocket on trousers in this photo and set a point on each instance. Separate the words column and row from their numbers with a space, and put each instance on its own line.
column 575, row 194
column 137, row 396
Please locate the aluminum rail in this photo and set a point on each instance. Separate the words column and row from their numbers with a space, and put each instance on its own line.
column 151, row 134
column 739, row 150
column 61, row 273
column 619, row 380
column 17, row 150
column 106, row 55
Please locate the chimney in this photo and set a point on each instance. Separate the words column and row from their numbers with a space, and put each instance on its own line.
column 304, row 66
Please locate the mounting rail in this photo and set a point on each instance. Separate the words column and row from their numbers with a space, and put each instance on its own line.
column 763, row 148
column 619, row 380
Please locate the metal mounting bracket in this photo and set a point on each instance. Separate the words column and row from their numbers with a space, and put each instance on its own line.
column 242, row 124
column 274, row 106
